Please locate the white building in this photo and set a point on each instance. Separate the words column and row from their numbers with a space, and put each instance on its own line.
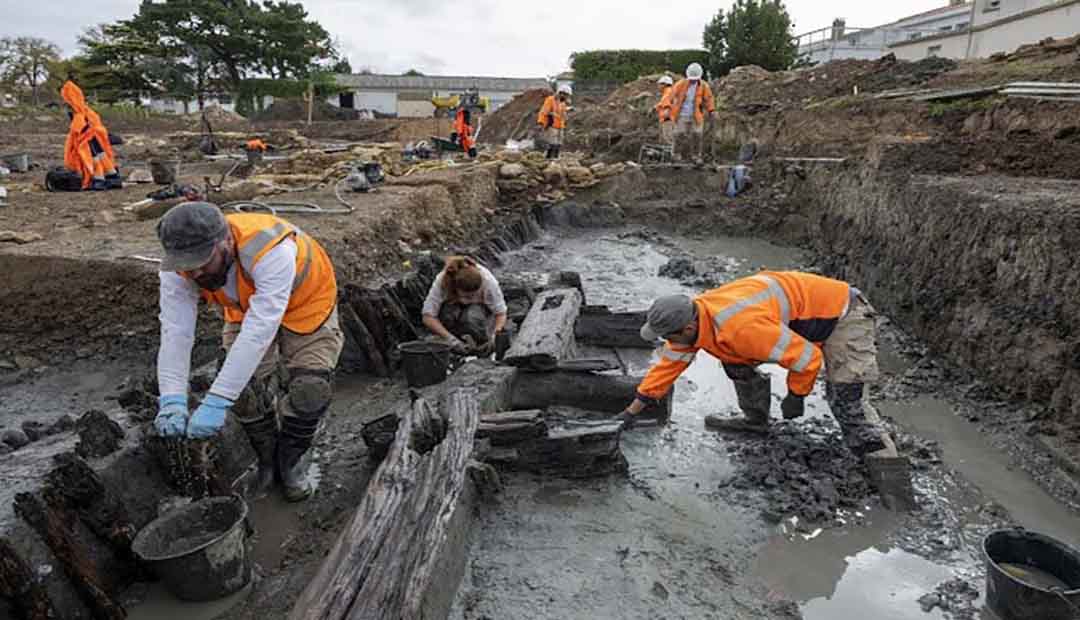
column 169, row 105
column 839, row 41
column 974, row 29
column 410, row 96
column 998, row 26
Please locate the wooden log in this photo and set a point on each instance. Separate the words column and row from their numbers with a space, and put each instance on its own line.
column 596, row 364
column 546, row 335
column 566, row 279
column 600, row 327
column 20, row 587
column 583, row 390
column 578, row 450
column 363, row 338
column 510, row 427
column 382, row 563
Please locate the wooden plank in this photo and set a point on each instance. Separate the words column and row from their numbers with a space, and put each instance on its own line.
column 597, row 364
column 583, row 390
column 382, row 563
column 510, row 427
column 546, row 335
column 603, row 328
column 578, row 450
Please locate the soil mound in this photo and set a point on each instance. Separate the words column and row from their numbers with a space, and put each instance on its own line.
column 515, row 119
column 217, row 115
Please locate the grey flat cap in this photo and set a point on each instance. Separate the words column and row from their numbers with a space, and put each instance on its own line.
column 667, row 315
column 188, row 233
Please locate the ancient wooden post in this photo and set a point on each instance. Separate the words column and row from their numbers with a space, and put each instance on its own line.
column 600, row 327
column 510, row 427
column 20, row 587
column 382, row 564
column 583, row 390
column 547, row 334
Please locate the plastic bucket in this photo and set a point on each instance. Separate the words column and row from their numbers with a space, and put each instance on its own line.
column 425, row 362
column 198, row 550
column 18, row 162
column 1030, row 576
column 164, row 171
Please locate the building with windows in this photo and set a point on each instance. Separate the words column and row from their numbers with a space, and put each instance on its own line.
column 973, row 29
column 410, row 96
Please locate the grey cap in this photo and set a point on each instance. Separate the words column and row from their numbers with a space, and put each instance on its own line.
column 188, row 233
column 667, row 315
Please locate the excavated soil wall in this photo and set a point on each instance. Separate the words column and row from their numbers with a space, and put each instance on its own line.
column 984, row 269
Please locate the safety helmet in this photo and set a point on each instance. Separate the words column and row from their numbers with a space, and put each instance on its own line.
column 566, row 90
column 694, row 71
column 666, row 80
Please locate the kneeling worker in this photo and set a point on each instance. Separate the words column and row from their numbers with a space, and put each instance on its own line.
column 796, row 320
column 465, row 303
column 278, row 294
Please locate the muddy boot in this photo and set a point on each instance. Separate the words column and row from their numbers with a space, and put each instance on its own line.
column 308, row 399
column 255, row 409
column 752, row 388
column 861, row 435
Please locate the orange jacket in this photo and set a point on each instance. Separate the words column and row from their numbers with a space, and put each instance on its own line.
column 703, row 100
column 464, row 131
column 775, row 316
column 85, row 127
column 557, row 108
column 314, row 292
column 663, row 109
column 255, row 144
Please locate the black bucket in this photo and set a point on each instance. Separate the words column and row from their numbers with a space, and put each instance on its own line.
column 425, row 362
column 1030, row 576
column 199, row 550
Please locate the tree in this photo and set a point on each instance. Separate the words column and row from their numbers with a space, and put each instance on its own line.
column 412, row 73
column 24, row 61
column 753, row 32
column 341, row 66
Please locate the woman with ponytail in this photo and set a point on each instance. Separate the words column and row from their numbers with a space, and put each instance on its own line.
column 465, row 304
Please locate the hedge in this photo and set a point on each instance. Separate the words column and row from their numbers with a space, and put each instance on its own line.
column 629, row 65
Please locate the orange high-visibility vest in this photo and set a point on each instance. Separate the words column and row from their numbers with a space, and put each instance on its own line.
column 663, row 109
column 771, row 317
column 314, row 292
column 85, row 127
column 557, row 108
column 703, row 100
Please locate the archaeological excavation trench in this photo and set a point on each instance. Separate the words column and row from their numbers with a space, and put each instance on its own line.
column 440, row 503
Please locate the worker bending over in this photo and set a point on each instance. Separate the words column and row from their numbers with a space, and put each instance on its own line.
column 277, row 291
column 87, row 149
column 552, row 120
column 663, row 111
column 796, row 320
column 691, row 100
column 465, row 306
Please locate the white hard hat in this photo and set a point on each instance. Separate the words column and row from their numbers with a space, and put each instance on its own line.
column 665, row 79
column 565, row 88
column 694, row 71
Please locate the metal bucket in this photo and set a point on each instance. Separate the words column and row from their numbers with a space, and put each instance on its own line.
column 198, row 550
column 425, row 362
column 164, row 171
column 18, row 162
column 1030, row 576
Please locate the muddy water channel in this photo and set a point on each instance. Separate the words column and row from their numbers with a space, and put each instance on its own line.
column 674, row 540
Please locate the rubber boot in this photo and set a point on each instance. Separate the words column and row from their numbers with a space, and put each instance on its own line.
column 754, row 400
column 255, row 409
column 308, row 399
column 558, row 151
column 861, row 435
column 114, row 181
column 98, row 185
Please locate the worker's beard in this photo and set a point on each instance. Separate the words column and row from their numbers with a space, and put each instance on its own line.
column 216, row 280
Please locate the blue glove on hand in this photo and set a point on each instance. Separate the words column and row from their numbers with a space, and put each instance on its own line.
column 209, row 417
column 172, row 417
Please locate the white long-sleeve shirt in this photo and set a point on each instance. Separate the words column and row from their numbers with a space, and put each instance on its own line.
column 179, row 299
column 492, row 294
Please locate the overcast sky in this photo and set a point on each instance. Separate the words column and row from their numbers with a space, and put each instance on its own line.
column 479, row 37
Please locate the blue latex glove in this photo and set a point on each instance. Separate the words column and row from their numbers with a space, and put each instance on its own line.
column 172, row 417
column 209, row 417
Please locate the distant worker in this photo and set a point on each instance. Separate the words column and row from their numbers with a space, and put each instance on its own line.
column 87, row 149
column 463, row 130
column 691, row 100
column 796, row 320
column 276, row 289
column 663, row 111
column 552, row 119
column 255, row 149
column 465, row 306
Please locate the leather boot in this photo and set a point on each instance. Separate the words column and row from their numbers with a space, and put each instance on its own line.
column 861, row 436
column 754, row 400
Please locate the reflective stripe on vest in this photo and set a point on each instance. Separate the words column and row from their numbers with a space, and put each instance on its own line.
column 264, row 239
column 676, row 356
column 774, row 291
